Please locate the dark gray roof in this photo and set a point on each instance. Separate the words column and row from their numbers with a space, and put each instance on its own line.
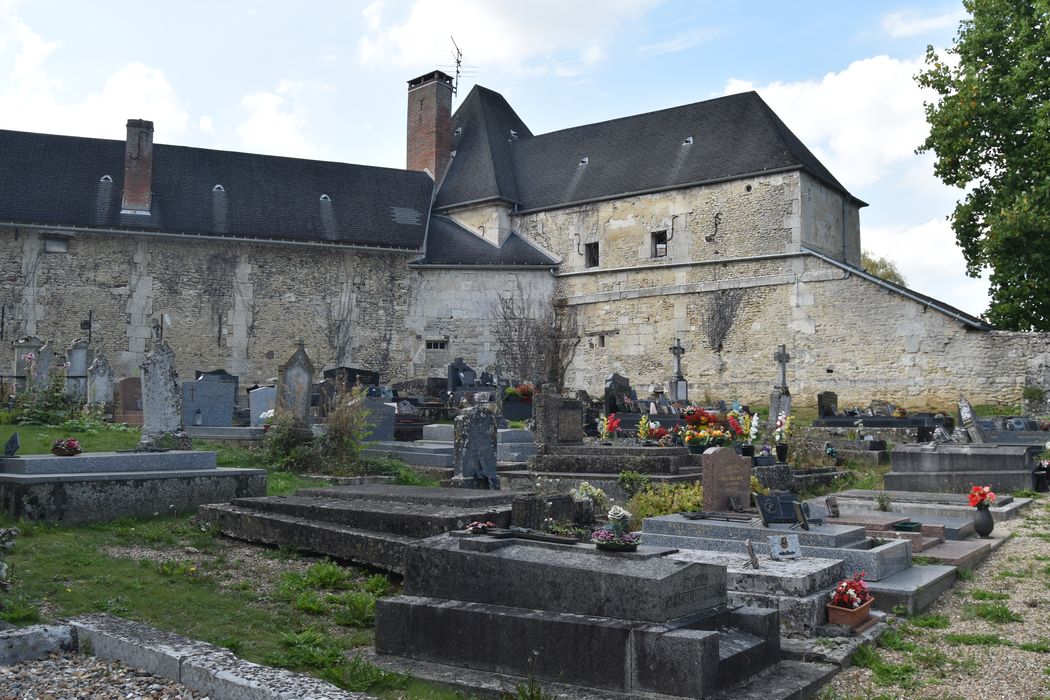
column 449, row 243
column 733, row 136
column 55, row 181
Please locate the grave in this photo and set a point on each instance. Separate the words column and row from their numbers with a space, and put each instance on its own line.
column 129, row 401
column 78, row 357
column 381, row 418
column 436, row 449
column 208, row 401
column 161, row 402
column 592, row 622
column 372, row 525
column 474, row 459
column 780, row 399
column 726, row 480
column 294, row 383
column 260, row 401
column 678, row 387
column 100, row 383
column 954, row 468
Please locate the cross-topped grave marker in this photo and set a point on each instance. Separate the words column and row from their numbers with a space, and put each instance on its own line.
column 780, row 399
column 678, row 387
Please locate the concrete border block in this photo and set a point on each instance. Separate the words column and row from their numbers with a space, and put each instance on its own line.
column 136, row 645
column 35, row 642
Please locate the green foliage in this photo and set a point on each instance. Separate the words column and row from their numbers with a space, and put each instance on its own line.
column 289, row 445
column 378, row 585
column 529, row 690
column 990, row 131
column 359, row 676
column 348, row 426
column 934, row 621
column 1033, row 393
column 586, row 490
column 19, row 611
column 892, row 639
column 45, row 402
column 993, row 612
column 979, row 640
column 327, row 574
column 310, row 602
column 310, row 648
column 632, row 482
column 1041, row 646
column 758, row 487
column 882, row 501
column 881, row 267
column 964, row 574
column 981, row 594
column 665, row 499
column 356, row 609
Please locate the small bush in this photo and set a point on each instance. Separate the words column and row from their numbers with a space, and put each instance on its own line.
column 358, row 609
column 666, row 499
column 359, row 676
column 378, row 585
column 310, row 648
column 632, row 482
column 348, row 425
column 311, row 603
column 327, row 574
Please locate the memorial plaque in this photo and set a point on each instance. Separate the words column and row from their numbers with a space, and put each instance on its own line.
column 726, row 477
column 12, row 445
column 784, row 547
column 778, row 508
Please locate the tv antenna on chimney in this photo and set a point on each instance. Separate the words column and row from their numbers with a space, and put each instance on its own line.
column 457, row 56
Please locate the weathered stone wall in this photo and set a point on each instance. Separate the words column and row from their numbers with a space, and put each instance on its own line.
column 830, row 223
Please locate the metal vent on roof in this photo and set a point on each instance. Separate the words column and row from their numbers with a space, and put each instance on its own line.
column 584, row 160
column 325, row 198
column 688, row 140
column 514, row 134
column 457, row 131
column 105, row 178
column 406, row 215
column 218, row 188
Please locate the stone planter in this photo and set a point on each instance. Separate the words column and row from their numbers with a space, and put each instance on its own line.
column 747, row 450
column 851, row 617
column 983, row 523
column 782, row 454
column 696, row 449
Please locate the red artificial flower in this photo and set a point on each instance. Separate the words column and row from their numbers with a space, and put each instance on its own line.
column 981, row 496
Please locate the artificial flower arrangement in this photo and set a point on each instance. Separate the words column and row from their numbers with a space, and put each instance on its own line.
column 66, row 447
column 694, row 416
column 651, row 430
column 478, row 527
column 782, row 428
column 587, row 491
column 608, row 426
column 523, row 391
column 700, row 437
column 751, row 429
column 735, row 422
column 643, row 428
column 615, row 535
column 851, row 593
column 981, row 496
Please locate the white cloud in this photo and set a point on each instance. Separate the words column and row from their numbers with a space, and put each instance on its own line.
column 682, row 42
column 543, row 36
column 274, row 128
column 931, row 262
column 908, row 23
column 206, row 124
column 861, row 123
column 133, row 91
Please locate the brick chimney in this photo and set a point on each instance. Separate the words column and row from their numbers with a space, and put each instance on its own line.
column 138, row 168
column 430, row 123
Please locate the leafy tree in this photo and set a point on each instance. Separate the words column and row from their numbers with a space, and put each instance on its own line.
column 882, row 267
column 990, row 131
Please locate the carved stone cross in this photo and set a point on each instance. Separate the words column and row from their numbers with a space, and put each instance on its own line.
column 677, row 350
column 782, row 356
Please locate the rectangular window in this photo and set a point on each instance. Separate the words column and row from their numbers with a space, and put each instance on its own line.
column 56, row 245
column 659, row 244
column 437, row 345
column 590, row 255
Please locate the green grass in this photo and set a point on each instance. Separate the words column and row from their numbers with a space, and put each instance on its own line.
column 885, row 673
column 978, row 640
column 37, row 439
column 981, row 594
column 1041, row 646
column 931, row 621
column 992, row 612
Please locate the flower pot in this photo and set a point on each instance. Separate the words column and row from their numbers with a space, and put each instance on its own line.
column 616, row 546
column 782, row 454
column 747, row 450
column 696, row 449
column 62, row 452
column 851, row 617
column 983, row 523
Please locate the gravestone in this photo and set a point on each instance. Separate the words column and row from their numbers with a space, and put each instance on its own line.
column 381, row 419
column 726, row 479
column 617, row 394
column 26, row 348
column 556, row 420
column 129, row 394
column 460, row 375
column 349, row 377
column 777, row 508
column 827, row 404
column 161, row 402
column 294, row 382
column 12, row 445
column 260, row 401
column 474, row 455
column 208, row 401
column 76, row 371
column 969, row 421
column 780, row 399
column 221, row 375
column 100, row 382
column 42, row 367
column 532, row 510
column 678, row 387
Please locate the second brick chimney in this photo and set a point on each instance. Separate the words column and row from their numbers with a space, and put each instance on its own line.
column 430, row 123
column 138, row 168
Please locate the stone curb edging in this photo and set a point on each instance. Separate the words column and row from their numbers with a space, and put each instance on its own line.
column 200, row 666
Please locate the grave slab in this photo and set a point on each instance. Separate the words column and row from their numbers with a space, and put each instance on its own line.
column 816, row 536
column 869, row 521
column 914, row 589
column 965, row 555
column 108, row 462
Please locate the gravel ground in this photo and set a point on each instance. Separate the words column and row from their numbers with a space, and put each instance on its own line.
column 928, row 663
column 68, row 676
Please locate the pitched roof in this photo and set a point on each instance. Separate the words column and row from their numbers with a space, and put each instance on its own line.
column 449, row 243
column 56, row 181
column 724, row 138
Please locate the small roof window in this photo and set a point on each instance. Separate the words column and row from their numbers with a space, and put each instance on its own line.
column 218, row 188
column 105, row 178
column 325, row 198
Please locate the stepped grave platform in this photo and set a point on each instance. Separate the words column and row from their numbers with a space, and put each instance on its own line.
column 919, row 505
column 99, row 486
column 435, row 451
column 597, row 624
column 954, row 468
column 613, row 459
column 372, row 525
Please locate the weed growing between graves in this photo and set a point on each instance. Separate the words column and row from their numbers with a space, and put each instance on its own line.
column 993, row 612
column 981, row 594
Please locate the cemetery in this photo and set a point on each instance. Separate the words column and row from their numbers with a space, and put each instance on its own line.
column 726, row 536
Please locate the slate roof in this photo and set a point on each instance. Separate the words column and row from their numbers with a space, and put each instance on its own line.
column 449, row 243
column 733, row 136
column 55, row 180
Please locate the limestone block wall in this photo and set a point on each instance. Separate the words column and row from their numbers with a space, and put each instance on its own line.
column 844, row 334
column 830, row 223
column 233, row 305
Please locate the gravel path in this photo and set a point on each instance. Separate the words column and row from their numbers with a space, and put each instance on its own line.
column 936, row 662
column 69, row 676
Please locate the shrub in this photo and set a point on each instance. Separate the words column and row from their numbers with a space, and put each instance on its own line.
column 632, row 482
column 289, row 445
column 45, row 402
column 358, row 609
column 348, row 425
column 666, row 499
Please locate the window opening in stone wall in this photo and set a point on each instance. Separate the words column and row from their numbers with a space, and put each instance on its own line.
column 659, row 247
column 437, row 345
column 590, row 254
column 601, row 341
column 56, row 245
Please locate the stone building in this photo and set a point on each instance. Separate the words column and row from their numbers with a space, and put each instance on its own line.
column 709, row 222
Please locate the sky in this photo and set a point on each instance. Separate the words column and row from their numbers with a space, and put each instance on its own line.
column 327, row 80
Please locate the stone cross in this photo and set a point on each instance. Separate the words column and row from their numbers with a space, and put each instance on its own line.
column 100, row 382
column 782, row 357
column 677, row 350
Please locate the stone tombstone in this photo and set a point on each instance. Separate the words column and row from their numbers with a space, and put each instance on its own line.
column 294, row 384
column 777, row 508
column 530, row 510
column 161, row 398
column 460, row 375
column 780, row 399
column 208, row 401
column 76, row 373
column 129, row 394
column 827, row 404
column 474, row 455
column 725, row 476
column 784, row 547
column 11, row 446
column 221, row 375
column 42, row 367
column 617, row 391
column 969, row 421
column 100, row 382
column 381, row 418
column 678, row 387
column 24, row 349
column 878, row 407
column 260, row 401
column 556, row 420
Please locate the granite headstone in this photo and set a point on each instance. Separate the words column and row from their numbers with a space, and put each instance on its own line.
column 726, row 476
